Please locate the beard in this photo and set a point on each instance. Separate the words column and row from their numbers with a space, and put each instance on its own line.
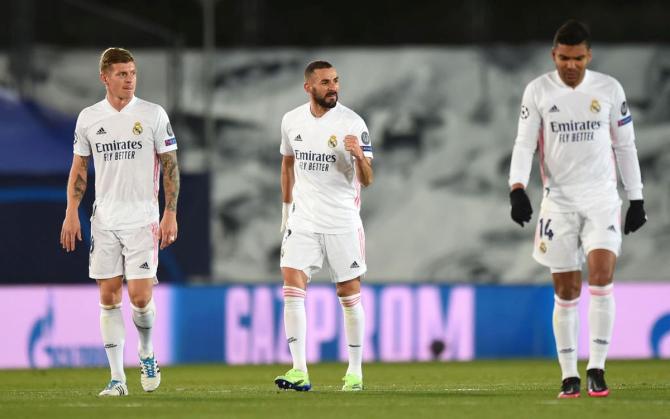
column 327, row 101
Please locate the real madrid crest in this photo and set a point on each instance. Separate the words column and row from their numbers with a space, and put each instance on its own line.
column 543, row 247
column 595, row 106
column 137, row 128
column 332, row 141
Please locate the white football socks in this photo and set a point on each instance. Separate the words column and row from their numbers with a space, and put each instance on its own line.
column 601, row 322
column 295, row 325
column 354, row 328
column 113, row 334
column 144, row 322
column 566, row 333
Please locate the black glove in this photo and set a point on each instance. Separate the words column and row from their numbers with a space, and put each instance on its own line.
column 635, row 217
column 521, row 209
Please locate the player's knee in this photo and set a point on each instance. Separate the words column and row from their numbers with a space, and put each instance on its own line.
column 600, row 277
column 347, row 288
column 140, row 301
column 294, row 278
column 568, row 291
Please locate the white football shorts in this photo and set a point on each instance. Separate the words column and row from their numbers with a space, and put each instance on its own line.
column 306, row 251
column 132, row 253
column 563, row 239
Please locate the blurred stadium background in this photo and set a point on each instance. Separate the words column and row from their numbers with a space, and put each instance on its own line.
column 439, row 85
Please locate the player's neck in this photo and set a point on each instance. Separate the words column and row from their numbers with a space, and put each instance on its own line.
column 117, row 102
column 576, row 84
column 317, row 110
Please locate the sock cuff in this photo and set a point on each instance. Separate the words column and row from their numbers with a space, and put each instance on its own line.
column 601, row 291
column 350, row 300
column 565, row 303
column 151, row 306
column 294, row 292
column 110, row 307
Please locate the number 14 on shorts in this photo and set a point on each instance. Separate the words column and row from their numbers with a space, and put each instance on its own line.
column 545, row 229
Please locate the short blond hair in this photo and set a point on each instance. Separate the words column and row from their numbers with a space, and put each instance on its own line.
column 114, row 56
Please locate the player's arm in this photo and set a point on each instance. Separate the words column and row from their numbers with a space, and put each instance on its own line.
column 287, row 179
column 363, row 164
column 623, row 144
column 76, row 188
column 525, row 145
column 168, row 227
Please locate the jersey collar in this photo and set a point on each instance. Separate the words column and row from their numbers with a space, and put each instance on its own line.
column 324, row 116
column 109, row 106
column 585, row 80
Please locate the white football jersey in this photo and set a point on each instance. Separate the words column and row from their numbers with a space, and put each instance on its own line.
column 579, row 133
column 125, row 147
column 326, row 192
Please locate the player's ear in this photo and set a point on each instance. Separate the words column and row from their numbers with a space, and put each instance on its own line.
column 103, row 78
column 306, row 86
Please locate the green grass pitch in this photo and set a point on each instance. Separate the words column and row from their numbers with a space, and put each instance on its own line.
column 481, row 389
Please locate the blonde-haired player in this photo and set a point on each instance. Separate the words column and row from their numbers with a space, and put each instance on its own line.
column 130, row 140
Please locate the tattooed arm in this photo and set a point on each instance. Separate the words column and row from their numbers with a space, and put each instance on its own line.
column 168, row 227
column 76, row 187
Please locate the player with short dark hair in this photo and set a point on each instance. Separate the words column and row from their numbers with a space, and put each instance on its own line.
column 130, row 140
column 327, row 157
column 580, row 123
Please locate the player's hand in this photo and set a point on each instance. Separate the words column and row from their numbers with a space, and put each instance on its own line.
column 352, row 146
column 167, row 231
column 70, row 232
column 285, row 210
column 522, row 211
column 635, row 217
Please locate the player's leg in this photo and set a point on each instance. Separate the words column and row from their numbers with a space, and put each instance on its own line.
column 301, row 256
column 557, row 246
column 106, row 267
column 295, row 317
column 602, row 241
column 349, row 294
column 141, row 262
column 113, row 334
column 346, row 258
column 601, row 318
column 567, row 288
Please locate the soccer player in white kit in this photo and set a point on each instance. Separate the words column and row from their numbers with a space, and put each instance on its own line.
column 580, row 124
column 327, row 156
column 128, row 138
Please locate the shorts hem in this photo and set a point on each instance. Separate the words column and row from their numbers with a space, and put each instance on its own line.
column 612, row 249
column 563, row 270
column 346, row 278
column 104, row 276
column 131, row 277
column 303, row 270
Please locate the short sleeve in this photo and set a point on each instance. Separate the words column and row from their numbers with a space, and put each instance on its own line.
column 285, row 147
column 164, row 138
column 80, row 146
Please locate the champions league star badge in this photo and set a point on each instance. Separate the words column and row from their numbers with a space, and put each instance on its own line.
column 332, row 141
column 595, row 106
column 624, row 108
column 365, row 137
column 137, row 128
